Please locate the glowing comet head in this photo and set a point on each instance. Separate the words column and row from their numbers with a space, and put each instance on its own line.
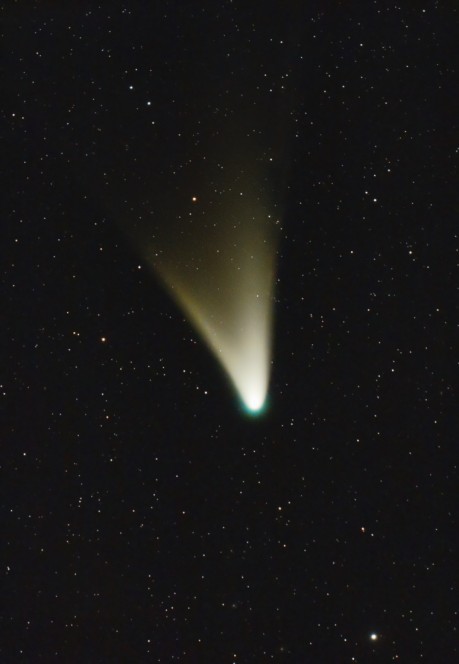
column 255, row 402
column 255, row 409
column 250, row 372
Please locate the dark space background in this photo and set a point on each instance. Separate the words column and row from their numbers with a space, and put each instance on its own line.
column 144, row 518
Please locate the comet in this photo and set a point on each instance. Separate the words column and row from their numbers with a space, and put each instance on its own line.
column 220, row 269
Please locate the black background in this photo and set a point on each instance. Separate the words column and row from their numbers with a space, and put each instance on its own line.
column 144, row 517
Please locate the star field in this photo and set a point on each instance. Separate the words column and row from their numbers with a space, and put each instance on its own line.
column 145, row 517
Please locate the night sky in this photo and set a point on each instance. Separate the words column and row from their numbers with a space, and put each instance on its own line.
column 144, row 516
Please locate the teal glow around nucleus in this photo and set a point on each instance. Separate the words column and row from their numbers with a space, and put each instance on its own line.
column 255, row 410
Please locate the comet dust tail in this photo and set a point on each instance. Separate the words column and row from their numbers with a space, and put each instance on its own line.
column 221, row 272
